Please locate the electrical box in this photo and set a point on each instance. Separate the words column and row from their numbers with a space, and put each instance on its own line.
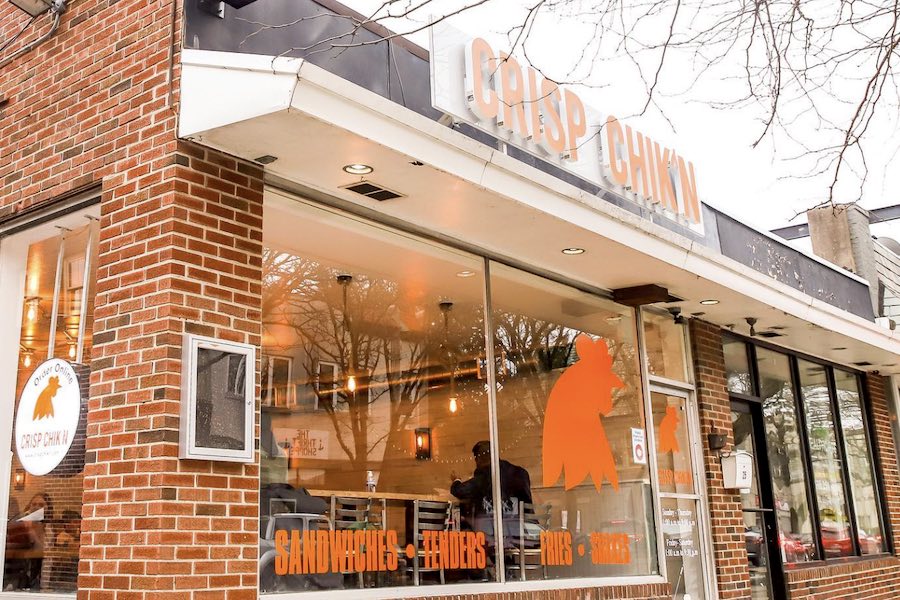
column 737, row 470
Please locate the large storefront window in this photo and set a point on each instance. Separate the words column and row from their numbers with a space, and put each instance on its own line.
column 379, row 466
column 569, row 406
column 47, row 280
column 373, row 399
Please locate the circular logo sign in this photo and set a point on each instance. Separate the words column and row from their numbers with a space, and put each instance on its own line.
column 47, row 418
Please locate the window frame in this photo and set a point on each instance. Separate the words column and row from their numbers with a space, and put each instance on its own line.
column 794, row 357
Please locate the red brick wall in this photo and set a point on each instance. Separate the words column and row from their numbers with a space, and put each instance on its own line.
column 885, row 451
column 730, row 551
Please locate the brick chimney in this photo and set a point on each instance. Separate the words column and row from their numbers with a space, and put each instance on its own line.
column 840, row 234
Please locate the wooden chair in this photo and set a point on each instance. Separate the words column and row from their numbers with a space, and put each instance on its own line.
column 525, row 553
column 358, row 513
column 427, row 516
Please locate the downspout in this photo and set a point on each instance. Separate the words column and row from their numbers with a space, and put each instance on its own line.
column 58, row 8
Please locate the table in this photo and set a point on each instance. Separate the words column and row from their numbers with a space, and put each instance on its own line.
column 448, row 497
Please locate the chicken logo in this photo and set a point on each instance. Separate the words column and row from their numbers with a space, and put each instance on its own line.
column 44, row 405
column 574, row 438
column 668, row 441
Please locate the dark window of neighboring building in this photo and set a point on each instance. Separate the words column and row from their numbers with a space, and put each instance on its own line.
column 817, row 443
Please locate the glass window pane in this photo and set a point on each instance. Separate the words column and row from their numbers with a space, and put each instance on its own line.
column 681, row 539
column 785, row 456
column 43, row 532
column 826, row 462
column 571, row 418
column 859, row 463
column 375, row 397
column 673, row 444
column 737, row 368
column 664, row 341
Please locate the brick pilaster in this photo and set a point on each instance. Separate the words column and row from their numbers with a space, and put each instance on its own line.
column 179, row 252
column 729, row 545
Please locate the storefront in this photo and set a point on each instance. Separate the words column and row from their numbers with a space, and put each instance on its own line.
column 318, row 338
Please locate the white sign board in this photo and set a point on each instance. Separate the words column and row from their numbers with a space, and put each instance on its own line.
column 47, row 417
column 505, row 97
column 638, row 446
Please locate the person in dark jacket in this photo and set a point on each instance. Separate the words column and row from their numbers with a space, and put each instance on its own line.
column 476, row 492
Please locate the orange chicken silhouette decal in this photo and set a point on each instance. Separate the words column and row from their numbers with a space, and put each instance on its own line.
column 44, row 405
column 668, row 442
column 574, row 439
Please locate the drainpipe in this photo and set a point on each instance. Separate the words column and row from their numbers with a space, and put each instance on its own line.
column 58, row 8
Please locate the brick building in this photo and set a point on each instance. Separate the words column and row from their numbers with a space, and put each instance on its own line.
column 286, row 319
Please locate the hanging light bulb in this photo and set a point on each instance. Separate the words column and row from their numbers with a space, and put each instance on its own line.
column 32, row 306
column 351, row 384
column 26, row 356
column 453, row 405
column 72, row 350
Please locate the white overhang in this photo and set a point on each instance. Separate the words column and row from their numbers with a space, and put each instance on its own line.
column 315, row 122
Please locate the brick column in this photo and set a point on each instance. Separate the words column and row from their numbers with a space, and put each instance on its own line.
column 729, row 546
column 180, row 251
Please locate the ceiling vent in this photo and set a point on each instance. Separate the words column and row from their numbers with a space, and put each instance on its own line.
column 769, row 334
column 372, row 190
column 863, row 363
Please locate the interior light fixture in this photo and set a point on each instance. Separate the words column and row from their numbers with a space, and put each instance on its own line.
column 709, row 302
column 351, row 384
column 573, row 251
column 358, row 169
column 466, row 273
column 20, row 479
column 27, row 354
column 454, row 405
column 32, row 308
column 423, row 443
column 72, row 350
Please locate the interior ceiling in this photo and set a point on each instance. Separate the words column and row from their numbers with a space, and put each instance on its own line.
column 312, row 154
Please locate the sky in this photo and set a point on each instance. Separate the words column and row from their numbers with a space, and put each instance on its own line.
column 765, row 186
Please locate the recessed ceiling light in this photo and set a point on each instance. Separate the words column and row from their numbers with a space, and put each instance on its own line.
column 358, row 169
column 573, row 251
column 709, row 302
column 466, row 274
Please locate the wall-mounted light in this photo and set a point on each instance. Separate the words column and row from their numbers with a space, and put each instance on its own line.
column 423, row 443
column 20, row 479
column 351, row 384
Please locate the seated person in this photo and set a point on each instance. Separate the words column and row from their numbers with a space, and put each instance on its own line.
column 515, row 487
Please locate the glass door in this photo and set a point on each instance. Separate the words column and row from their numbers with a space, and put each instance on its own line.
column 760, row 535
column 681, row 507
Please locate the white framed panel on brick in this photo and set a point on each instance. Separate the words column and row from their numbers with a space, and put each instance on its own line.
column 217, row 399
